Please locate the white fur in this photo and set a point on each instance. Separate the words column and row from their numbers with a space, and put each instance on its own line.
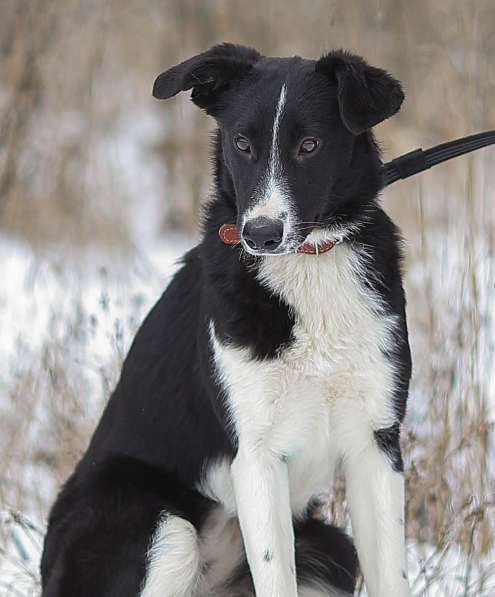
column 375, row 495
column 274, row 154
column 182, row 563
column 262, row 496
column 173, row 560
column 322, row 592
column 321, row 399
column 217, row 485
column 272, row 199
column 221, row 551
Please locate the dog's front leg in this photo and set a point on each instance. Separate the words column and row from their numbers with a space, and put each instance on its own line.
column 375, row 494
column 261, row 489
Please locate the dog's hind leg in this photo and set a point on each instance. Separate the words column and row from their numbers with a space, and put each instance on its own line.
column 124, row 530
column 174, row 567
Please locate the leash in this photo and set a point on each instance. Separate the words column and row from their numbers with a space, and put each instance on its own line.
column 418, row 160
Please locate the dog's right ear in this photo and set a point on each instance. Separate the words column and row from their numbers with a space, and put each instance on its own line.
column 366, row 94
column 207, row 74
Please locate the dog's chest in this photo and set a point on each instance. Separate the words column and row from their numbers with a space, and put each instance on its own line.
column 334, row 371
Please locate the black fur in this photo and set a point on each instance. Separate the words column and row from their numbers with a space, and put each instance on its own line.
column 101, row 525
column 166, row 421
column 367, row 95
column 388, row 441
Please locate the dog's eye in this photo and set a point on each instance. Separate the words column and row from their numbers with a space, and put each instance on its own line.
column 242, row 144
column 308, row 146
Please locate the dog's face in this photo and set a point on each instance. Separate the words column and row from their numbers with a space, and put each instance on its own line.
column 294, row 136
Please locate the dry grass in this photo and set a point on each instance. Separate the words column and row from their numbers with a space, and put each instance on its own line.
column 75, row 169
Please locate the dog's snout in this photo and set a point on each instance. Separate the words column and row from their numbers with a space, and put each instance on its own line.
column 263, row 234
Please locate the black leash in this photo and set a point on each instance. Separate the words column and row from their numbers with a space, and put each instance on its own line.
column 418, row 160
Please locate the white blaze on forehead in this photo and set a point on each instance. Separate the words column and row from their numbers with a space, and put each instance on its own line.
column 272, row 197
column 274, row 164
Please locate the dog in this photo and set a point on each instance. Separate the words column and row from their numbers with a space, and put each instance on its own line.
column 278, row 350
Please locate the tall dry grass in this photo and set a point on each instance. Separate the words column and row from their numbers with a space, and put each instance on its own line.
column 75, row 82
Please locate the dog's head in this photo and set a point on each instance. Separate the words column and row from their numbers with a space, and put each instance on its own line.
column 295, row 138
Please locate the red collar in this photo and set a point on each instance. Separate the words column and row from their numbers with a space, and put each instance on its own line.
column 230, row 236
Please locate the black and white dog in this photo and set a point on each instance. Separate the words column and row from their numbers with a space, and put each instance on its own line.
column 279, row 348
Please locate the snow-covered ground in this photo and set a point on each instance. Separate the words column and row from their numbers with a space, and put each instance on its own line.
column 447, row 573
column 104, row 298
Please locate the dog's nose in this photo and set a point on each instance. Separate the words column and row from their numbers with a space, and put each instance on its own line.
column 263, row 234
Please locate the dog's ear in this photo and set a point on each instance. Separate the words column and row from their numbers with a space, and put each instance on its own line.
column 366, row 94
column 207, row 74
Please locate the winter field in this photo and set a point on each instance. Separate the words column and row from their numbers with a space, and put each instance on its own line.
column 100, row 189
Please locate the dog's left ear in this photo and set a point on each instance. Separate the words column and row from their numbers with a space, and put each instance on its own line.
column 207, row 74
column 366, row 94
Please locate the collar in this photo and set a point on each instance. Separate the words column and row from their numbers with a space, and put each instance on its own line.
column 229, row 235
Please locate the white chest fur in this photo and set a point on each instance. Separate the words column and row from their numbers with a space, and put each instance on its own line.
column 333, row 382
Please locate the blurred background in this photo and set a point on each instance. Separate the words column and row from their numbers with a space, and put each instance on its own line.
column 100, row 190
